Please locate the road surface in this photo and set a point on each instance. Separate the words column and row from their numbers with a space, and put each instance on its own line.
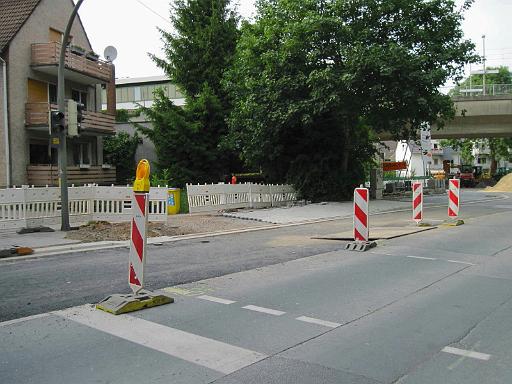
column 275, row 306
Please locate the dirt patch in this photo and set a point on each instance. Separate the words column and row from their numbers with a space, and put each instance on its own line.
column 176, row 225
column 504, row 185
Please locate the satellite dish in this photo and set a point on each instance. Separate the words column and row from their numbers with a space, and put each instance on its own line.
column 110, row 53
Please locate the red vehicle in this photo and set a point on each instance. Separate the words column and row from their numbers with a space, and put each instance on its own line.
column 467, row 176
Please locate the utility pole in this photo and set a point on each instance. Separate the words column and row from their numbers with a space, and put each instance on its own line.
column 483, row 78
column 63, row 153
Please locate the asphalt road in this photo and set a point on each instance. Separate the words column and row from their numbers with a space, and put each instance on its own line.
column 50, row 283
column 275, row 306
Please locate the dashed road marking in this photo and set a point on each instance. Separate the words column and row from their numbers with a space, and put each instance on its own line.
column 264, row 310
column 421, row 257
column 312, row 320
column 460, row 262
column 216, row 299
column 466, row 353
column 213, row 354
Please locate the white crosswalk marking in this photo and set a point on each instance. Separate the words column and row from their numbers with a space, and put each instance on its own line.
column 213, row 354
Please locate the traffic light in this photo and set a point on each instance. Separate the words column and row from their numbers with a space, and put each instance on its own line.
column 57, row 121
column 72, row 118
column 79, row 115
column 75, row 118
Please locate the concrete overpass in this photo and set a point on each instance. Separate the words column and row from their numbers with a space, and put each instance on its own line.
column 485, row 116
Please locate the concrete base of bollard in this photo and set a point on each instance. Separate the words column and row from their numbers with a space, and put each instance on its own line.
column 360, row 246
column 454, row 223
column 118, row 303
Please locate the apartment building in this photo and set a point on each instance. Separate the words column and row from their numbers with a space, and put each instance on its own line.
column 30, row 43
column 135, row 91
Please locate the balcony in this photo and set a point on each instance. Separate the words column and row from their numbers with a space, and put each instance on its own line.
column 78, row 68
column 37, row 115
column 41, row 175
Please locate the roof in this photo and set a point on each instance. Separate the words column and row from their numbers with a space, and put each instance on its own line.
column 13, row 14
column 139, row 80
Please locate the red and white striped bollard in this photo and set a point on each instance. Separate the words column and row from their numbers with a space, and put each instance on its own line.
column 417, row 202
column 361, row 225
column 453, row 198
column 138, row 242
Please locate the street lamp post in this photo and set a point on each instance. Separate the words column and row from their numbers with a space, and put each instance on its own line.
column 63, row 153
column 483, row 78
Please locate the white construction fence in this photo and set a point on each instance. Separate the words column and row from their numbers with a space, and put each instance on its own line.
column 41, row 206
column 216, row 197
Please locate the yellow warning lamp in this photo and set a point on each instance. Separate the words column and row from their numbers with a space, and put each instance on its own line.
column 141, row 183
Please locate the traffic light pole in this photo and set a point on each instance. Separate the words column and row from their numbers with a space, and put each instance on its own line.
column 63, row 153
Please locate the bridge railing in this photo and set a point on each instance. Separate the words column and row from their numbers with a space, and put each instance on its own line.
column 478, row 90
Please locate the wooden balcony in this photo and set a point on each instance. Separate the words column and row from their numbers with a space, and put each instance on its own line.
column 79, row 68
column 41, row 175
column 37, row 115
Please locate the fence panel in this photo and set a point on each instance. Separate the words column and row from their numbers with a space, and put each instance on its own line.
column 41, row 206
column 216, row 197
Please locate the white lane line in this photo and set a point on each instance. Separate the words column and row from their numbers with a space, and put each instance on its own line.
column 312, row 320
column 264, row 310
column 460, row 262
column 466, row 353
column 421, row 257
column 213, row 354
column 216, row 299
column 23, row 319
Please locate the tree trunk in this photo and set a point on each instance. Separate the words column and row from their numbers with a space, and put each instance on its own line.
column 494, row 166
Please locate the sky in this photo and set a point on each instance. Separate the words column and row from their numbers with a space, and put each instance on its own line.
column 131, row 27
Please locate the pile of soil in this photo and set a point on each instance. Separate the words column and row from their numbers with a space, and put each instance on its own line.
column 504, row 185
column 176, row 225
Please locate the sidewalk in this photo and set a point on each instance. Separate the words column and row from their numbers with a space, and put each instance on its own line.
column 324, row 211
column 34, row 240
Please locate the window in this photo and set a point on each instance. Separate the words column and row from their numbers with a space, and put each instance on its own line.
column 52, row 93
column 79, row 97
column 436, row 161
column 82, row 154
column 40, row 153
column 482, row 160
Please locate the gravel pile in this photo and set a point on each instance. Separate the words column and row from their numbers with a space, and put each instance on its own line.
column 504, row 185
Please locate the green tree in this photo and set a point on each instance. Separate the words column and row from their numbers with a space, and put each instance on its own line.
column 202, row 46
column 189, row 140
column 313, row 79
column 119, row 150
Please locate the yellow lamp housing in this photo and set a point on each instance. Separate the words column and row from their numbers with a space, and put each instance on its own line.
column 141, row 183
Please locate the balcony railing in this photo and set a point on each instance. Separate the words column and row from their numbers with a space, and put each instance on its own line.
column 479, row 90
column 47, row 54
column 37, row 115
column 44, row 174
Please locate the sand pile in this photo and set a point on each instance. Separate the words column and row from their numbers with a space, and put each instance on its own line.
column 504, row 185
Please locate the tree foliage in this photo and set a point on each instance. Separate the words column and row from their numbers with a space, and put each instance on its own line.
column 202, row 47
column 185, row 137
column 188, row 140
column 312, row 79
column 119, row 150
